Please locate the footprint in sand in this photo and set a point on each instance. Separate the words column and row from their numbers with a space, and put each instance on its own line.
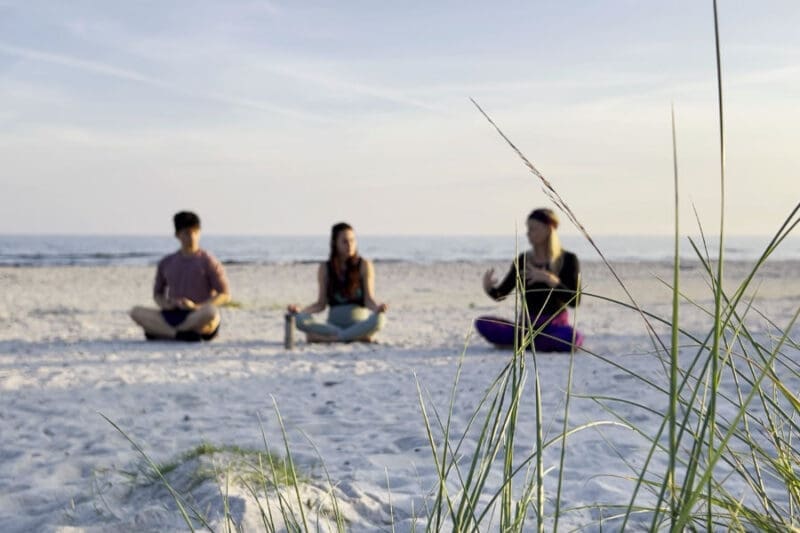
column 188, row 401
column 327, row 409
column 410, row 443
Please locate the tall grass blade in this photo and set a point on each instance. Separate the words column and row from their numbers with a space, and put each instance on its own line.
column 175, row 496
column 567, row 399
column 715, row 371
column 674, row 347
column 290, row 463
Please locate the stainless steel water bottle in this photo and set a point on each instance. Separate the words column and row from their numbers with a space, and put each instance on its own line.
column 288, row 331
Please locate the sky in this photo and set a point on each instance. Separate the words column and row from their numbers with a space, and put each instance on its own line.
column 271, row 117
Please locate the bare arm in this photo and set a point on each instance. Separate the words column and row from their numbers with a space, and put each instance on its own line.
column 160, row 289
column 322, row 295
column 219, row 298
column 368, row 274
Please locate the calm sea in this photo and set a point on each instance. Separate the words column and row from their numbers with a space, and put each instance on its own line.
column 61, row 250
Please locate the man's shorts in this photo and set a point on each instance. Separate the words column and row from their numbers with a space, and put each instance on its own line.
column 175, row 317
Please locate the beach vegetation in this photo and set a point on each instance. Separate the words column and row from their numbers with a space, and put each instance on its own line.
column 724, row 454
column 243, row 463
column 285, row 499
column 233, row 304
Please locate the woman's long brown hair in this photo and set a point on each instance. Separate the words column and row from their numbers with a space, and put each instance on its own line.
column 352, row 272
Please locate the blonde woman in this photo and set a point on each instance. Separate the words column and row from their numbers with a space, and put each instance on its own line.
column 551, row 278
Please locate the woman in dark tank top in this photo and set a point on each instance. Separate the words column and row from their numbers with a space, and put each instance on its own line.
column 551, row 277
column 346, row 286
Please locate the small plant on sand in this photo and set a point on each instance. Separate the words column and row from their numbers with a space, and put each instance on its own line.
column 272, row 483
column 242, row 462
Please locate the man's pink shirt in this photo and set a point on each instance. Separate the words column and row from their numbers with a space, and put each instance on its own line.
column 195, row 276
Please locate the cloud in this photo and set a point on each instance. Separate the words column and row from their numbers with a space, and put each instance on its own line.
column 337, row 83
column 104, row 69
column 78, row 63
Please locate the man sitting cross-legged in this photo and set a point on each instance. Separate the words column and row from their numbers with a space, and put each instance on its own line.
column 189, row 286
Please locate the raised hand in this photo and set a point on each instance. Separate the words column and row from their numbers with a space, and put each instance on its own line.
column 541, row 275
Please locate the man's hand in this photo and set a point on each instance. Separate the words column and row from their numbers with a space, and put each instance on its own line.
column 185, row 303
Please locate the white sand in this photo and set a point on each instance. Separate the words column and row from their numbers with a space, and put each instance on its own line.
column 69, row 352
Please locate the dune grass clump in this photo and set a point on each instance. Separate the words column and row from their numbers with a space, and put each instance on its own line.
column 272, row 483
column 243, row 465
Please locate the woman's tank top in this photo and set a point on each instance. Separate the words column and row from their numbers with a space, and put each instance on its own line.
column 337, row 287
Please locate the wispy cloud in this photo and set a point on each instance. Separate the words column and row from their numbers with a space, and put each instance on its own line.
column 227, row 51
column 112, row 71
column 79, row 63
column 342, row 84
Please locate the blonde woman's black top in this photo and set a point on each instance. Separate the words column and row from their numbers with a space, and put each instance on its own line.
column 540, row 297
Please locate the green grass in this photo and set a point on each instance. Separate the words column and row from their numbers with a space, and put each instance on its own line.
column 233, row 304
column 272, row 481
column 242, row 463
column 710, row 438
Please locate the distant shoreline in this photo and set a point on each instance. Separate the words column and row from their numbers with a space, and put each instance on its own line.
column 29, row 250
column 685, row 263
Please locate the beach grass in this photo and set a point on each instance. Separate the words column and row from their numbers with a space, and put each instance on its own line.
column 741, row 435
column 241, row 460
column 723, row 454
column 233, row 304
column 273, row 482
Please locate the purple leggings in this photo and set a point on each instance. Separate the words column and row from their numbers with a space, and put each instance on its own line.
column 556, row 336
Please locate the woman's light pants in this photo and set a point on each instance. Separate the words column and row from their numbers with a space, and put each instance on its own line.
column 345, row 322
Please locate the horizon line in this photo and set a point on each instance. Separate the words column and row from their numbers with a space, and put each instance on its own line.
column 363, row 234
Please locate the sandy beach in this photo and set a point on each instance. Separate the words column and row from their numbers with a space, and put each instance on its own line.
column 69, row 353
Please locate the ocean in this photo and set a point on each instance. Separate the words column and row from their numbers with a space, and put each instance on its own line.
column 89, row 250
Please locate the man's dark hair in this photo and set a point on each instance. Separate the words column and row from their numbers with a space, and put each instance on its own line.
column 185, row 219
